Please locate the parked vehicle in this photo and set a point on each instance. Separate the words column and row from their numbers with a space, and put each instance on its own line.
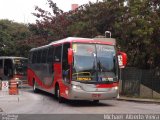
column 13, row 68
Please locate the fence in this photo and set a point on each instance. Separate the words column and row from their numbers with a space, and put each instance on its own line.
column 140, row 83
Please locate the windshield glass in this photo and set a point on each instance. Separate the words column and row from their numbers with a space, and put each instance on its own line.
column 84, row 62
column 94, row 63
column 20, row 66
column 106, row 60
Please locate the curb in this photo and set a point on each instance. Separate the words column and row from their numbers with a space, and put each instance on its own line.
column 140, row 100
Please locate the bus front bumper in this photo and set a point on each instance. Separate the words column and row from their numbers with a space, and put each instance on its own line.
column 100, row 94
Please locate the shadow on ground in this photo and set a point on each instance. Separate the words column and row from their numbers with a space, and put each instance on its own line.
column 71, row 103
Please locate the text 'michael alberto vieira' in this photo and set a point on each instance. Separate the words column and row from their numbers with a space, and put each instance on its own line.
column 131, row 116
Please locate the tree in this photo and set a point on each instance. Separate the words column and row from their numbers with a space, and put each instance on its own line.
column 10, row 33
column 140, row 21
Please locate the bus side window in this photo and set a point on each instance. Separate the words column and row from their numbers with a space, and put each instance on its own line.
column 58, row 51
column 8, row 67
column 50, row 59
column 44, row 55
column 50, row 55
column 30, row 57
column 1, row 68
column 1, row 64
column 65, row 66
column 39, row 54
column 34, row 59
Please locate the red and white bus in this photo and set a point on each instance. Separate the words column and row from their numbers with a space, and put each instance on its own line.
column 77, row 68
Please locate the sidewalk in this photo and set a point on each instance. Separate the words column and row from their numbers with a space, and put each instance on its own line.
column 142, row 100
column 4, row 95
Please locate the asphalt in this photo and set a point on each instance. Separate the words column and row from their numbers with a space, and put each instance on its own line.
column 4, row 96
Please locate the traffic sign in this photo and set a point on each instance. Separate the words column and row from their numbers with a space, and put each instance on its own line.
column 5, row 85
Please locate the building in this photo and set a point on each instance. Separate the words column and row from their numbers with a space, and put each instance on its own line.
column 74, row 6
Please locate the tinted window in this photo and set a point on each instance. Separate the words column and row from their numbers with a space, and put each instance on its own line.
column 65, row 66
column 34, row 60
column 20, row 66
column 8, row 67
column 39, row 53
column 65, row 56
column 58, row 50
column 44, row 55
column 50, row 54
column 1, row 63
column 30, row 57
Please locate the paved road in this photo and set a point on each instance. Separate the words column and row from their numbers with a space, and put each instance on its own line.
column 42, row 103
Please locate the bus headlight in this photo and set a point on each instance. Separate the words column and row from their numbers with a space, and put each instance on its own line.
column 116, row 87
column 76, row 87
column 17, row 79
column 66, row 91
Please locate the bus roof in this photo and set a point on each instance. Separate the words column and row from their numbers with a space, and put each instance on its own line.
column 11, row 57
column 108, row 41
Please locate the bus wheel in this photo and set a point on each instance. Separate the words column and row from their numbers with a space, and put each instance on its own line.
column 96, row 101
column 58, row 96
column 35, row 90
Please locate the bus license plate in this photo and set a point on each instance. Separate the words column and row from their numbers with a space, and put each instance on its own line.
column 96, row 95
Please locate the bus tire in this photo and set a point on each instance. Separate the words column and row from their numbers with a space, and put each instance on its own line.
column 58, row 96
column 96, row 101
column 35, row 90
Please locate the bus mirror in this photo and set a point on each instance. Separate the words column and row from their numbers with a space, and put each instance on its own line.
column 70, row 56
column 122, row 59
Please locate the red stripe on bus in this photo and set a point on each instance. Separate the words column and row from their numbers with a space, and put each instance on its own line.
column 40, row 83
column 106, row 85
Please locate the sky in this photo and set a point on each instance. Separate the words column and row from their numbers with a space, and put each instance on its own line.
column 20, row 10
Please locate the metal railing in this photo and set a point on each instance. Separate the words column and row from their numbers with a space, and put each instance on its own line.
column 141, row 83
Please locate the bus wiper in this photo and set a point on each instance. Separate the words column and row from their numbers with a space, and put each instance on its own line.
column 114, row 64
column 94, row 63
column 100, row 68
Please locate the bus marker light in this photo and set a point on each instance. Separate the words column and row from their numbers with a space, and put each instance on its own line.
column 66, row 91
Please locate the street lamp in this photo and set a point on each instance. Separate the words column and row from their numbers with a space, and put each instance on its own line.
column 108, row 32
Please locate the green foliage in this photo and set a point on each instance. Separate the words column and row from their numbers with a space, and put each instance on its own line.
column 139, row 33
column 10, row 33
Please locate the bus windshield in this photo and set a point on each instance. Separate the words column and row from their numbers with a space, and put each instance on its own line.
column 94, row 63
column 20, row 66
